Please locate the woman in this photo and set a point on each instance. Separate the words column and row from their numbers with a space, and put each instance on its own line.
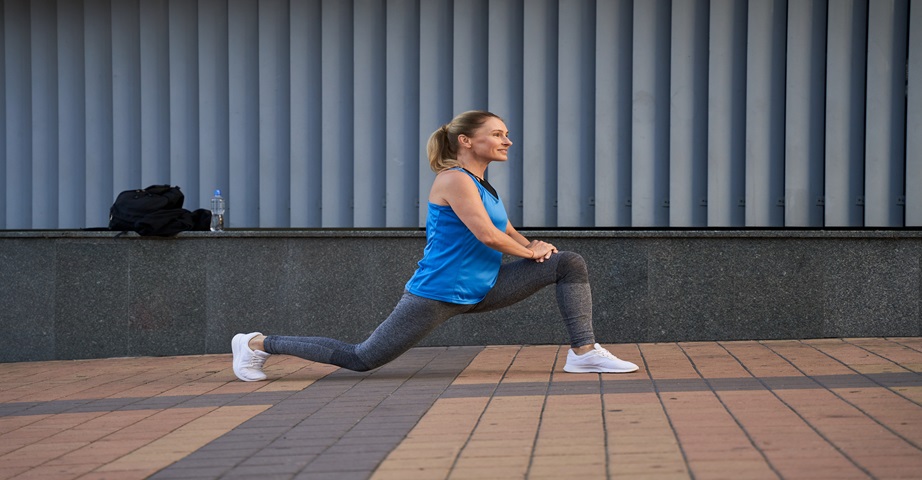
column 467, row 233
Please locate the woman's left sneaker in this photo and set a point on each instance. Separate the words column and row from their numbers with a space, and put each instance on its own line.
column 597, row 360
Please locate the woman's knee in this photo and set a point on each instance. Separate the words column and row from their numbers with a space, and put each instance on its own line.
column 351, row 361
column 571, row 268
column 361, row 368
column 364, row 365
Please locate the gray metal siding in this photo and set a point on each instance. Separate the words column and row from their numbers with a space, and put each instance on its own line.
column 315, row 113
column 914, row 122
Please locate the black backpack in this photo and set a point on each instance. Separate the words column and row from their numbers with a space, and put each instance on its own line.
column 155, row 211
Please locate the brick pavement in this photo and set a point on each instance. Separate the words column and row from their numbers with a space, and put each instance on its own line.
column 833, row 408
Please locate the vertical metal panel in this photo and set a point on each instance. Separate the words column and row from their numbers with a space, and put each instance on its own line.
column 44, row 75
column 71, row 117
column 614, row 35
column 337, row 108
column 370, row 93
column 155, row 92
column 803, row 150
column 884, row 150
column 576, row 112
column 845, row 111
column 243, row 82
column 183, row 100
column 914, row 122
column 404, row 156
column 765, row 112
column 726, row 113
column 126, row 96
column 688, row 115
column 243, row 85
column 212, row 95
column 306, row 117
column 650, row 111
column 539, row 113
column 469, row 50
column 504, row 87
column 435, row 78
column 18, row 113
column 274, row 118
column 99, row 126
column 3, row 132
column 243, row 185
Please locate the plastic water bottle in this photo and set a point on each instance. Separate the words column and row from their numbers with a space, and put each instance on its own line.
column 217, row 212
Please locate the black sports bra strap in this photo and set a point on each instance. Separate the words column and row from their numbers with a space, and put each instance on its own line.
column 484, row 182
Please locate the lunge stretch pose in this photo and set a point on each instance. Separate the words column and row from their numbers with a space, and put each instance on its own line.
column 467, row 233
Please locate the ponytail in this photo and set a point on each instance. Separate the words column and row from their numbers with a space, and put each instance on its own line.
column 441, row 150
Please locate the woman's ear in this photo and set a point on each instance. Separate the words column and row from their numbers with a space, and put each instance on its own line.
column 464, row 141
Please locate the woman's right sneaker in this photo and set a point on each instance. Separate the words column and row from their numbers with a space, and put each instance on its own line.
column 248, row 363
column 597, row 360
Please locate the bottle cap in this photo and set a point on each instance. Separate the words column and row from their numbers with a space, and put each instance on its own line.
column 217, row 193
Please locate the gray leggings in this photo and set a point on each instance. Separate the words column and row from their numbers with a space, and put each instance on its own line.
column 415, row 317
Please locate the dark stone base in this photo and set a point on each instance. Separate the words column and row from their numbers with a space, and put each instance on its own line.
column 70, row 295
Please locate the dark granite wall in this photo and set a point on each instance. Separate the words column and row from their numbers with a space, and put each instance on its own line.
column 69, row 295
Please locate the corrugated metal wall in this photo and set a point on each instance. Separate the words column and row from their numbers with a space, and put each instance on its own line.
column 314, row 113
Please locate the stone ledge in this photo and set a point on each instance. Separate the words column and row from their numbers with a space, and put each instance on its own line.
column 79, row 294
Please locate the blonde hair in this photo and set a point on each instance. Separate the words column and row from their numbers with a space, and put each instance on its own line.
column 442, row 147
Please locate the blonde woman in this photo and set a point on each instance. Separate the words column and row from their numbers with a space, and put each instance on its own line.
column 467, row 233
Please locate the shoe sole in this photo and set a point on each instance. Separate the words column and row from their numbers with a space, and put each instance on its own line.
column 237, row 344
column 570, row 369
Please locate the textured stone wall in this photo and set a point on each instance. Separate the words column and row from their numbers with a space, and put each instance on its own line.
column 76, row 294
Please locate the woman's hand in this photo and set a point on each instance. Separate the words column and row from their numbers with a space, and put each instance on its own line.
column 541, row 251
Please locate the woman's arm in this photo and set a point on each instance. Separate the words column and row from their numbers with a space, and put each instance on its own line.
column 518, row 237
column 457, row 190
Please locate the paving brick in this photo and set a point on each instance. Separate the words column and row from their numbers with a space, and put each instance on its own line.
column 832, row 408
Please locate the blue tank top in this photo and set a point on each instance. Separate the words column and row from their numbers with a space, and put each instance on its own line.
column 456, row 267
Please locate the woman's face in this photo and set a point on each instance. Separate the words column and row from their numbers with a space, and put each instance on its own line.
column 491, row 141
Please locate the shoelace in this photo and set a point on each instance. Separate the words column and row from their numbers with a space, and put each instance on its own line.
column 256, row 362
column 605, row 353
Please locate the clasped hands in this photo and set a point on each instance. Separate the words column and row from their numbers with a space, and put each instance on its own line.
column 541, row 251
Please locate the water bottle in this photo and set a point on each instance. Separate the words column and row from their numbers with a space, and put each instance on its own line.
column 217, row 212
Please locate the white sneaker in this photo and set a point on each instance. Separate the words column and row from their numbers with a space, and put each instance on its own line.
column 248, row 363
column 597, row 360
